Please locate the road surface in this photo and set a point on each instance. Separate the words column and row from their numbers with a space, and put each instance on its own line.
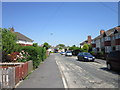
column 79, row 74
column 59, row 71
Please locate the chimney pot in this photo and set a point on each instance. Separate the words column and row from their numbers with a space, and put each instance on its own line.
column 12, row 29
column 102, row 31
column 89, row 39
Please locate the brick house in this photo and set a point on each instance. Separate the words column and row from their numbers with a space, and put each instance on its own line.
column 107, row 41
column 22, row 39
column 88, row 41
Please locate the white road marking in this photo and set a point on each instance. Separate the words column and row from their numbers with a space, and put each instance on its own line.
column 63, row 77
column 83, row 79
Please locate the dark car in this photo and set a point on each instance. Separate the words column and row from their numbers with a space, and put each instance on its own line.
column 85, row 56
column 113, row 60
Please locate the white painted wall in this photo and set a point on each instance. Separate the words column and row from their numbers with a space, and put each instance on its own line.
column 24, row 42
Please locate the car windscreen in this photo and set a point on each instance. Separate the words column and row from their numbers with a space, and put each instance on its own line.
column 87, row 54
column 68, row 52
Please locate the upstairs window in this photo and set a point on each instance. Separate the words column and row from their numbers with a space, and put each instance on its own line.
column 107, row 39
column 93, row 41
column 102, row 40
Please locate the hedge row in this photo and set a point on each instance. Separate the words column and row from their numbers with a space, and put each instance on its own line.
column 37, row 54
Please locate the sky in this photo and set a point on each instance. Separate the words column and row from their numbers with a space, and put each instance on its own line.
column 66, row 23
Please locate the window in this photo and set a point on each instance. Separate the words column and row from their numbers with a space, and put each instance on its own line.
column 102, row 40
column 107, row 39
column 108, row 49
column 93, row 41
column 113, row 38
column 117, row 36
column 117, row 47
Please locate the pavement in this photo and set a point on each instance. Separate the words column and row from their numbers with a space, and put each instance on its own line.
column 47, row 75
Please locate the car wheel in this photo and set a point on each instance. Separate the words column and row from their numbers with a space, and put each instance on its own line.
column 92, row 60
column 109, row 66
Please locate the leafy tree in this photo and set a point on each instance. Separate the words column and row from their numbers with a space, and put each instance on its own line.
column 60, row 48
column 9, row 41
column 90, row 47
column 35, row 44
column 74, row 48
column 85, row 48
column 61, row 45
column 46, row 45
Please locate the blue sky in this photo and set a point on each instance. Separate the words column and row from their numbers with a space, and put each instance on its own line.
column 63, row 22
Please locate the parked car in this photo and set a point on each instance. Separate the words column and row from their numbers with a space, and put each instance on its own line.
column 85, row 56
column 113, row 60
column 62, row 53
column 68, row 53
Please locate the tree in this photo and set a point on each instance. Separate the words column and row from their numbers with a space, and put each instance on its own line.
column 35, row 44
column 46, row 45
column 90, row 47
column 85, row 48
column 61, row 45
column 9, row 41
column 74, row 48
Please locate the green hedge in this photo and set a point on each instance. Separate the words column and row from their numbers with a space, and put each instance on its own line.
column 37, row 54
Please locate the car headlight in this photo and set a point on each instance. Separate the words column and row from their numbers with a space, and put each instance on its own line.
column 93, row 57
column 85, row 57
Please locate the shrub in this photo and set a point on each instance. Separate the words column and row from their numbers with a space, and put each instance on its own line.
column 9, row 41
column 37, row 54
column 35, row 44
column 85, row 48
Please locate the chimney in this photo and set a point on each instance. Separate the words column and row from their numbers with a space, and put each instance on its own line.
column 12, row 29
column 102, row 32
column 118, row 28
column 89, row 39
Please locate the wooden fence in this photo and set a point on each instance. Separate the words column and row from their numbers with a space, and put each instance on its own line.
column 12, row 74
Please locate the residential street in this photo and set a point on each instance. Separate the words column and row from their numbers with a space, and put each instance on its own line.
column 72, row 74
column 80, row 74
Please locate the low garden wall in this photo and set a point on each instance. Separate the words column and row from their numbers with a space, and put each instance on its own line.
column 13, row 73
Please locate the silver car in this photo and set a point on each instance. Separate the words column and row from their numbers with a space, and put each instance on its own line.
column 68, row 53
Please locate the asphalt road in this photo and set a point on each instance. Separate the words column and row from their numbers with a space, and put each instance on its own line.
column 79, row 74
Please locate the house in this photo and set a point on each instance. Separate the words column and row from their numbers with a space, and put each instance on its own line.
column 88, row 41
column 107, row 41
column 51, row 49
column 22, row 39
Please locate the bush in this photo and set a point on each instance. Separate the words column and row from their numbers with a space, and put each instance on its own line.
column 37, row 54
column 9, row 41
column 85, row 48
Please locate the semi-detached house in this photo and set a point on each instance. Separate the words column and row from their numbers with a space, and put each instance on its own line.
column 22, row 39
column 107, row 41
column 88, row 41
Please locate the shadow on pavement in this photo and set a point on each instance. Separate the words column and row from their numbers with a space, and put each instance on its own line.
column 111, row 71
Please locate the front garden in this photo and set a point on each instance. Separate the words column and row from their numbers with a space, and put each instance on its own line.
column 13, row 52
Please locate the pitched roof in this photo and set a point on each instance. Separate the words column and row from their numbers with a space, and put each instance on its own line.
column 118, row 28
column 110, row 31
column 84, row 42
column 22, row 37
column 106, row 33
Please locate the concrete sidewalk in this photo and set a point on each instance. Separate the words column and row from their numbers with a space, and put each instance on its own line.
column 46, row 76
